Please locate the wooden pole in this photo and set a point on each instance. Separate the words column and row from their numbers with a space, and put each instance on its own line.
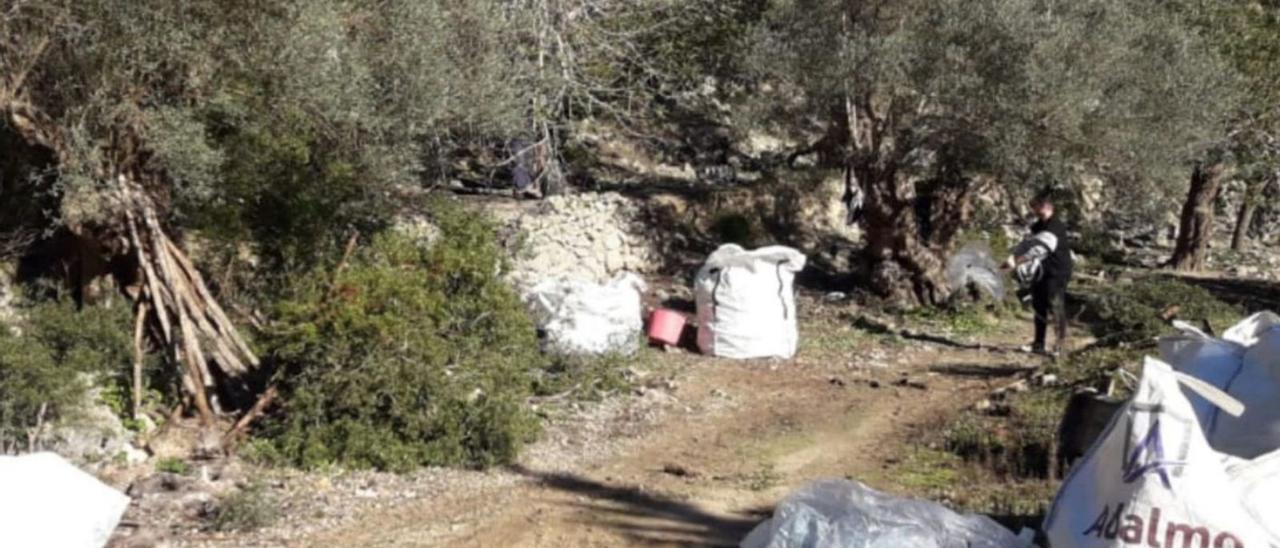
column 139, row 325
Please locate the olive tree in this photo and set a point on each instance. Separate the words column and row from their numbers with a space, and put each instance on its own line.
column 155, row 111
column 923, row 101
column 1247, row 33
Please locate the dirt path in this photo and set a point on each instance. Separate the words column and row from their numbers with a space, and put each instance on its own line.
column 742, row 435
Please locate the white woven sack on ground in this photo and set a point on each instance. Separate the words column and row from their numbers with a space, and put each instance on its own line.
column 47, row 501
column 1244, row 363
column 1153, row 480
column 746, row 302
column 581, row 317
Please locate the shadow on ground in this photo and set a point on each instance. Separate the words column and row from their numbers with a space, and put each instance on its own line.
column 982, row 371
column 877, row 327
column 1253, row 295
column 648, row 518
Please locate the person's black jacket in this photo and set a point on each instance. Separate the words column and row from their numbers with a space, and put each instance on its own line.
column 1057, row 265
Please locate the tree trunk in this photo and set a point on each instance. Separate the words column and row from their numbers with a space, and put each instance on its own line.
column 903, row 266
column 1244, row 218
column 1196, row 227
column 945, row 208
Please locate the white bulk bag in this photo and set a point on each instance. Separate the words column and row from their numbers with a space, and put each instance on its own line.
column 1244, row 363
column 581, row 317
column 47, row 501
column 746, row 302
column 1153, row 480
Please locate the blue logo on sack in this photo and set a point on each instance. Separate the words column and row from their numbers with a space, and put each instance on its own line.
column 1148, row 457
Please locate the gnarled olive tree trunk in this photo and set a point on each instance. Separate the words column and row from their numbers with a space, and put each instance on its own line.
column 1196, row 227
column 910, row 226
column 903, row 266
column 1243, row 219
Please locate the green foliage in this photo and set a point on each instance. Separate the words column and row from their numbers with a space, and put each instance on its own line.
column 286, row 192
column 173, row 465
column 288, row 107
column 927, row 470
column 735, row 228
column 46, row 370
column 91, row 339
column 1129, row 313
column 1017, row 445
column 409, row 356
column 1096, row 366
column 1020, row 89
column 961, row 318
column 248, row 509
column 586, row 377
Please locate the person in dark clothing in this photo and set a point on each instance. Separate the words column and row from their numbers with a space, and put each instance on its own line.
column 1044, row 261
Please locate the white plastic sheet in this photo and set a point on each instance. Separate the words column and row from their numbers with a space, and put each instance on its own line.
column 1153, row 480
column 746, row 302
column 581, row 317
column 848, row 514
column 47, row 501
column 974, row 264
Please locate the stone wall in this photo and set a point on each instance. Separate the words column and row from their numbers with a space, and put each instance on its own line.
column 588, row 236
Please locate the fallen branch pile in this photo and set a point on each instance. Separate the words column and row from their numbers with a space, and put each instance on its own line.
column 193, row 327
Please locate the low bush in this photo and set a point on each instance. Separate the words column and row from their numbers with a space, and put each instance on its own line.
column 249, row 509
column 411, row 355
column 1132, row 312
column 48, row 359
column 583, row 377
column 1018, row 445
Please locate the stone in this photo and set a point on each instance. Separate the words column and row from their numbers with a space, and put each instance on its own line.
column 159, row 484
column 134, row 456
column 93, row 436
column 587, row 236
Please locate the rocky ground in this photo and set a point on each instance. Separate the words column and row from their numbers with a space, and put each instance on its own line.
column 696, row 453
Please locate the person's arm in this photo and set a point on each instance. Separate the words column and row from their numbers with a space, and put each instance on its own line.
column 1038, row 246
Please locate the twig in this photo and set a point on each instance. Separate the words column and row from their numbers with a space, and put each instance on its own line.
column 230, row 438
column 33, row 435
column 342, row 264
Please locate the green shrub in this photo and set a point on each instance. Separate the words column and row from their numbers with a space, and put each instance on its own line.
column 46, row 365
column 249, row 509
column 1131, row 312
column 173, row 465
column 735, row 228
column 409, row 356
column 585, row 377
column 1095, row 367
column 1017, row 445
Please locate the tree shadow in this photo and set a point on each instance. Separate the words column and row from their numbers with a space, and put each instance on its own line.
column 647, row 518
column 981, row 371
column 1252, row 295
column 875, row 327
column 1016, row 522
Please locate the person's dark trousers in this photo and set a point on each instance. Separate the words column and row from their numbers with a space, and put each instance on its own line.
column 1048, row 297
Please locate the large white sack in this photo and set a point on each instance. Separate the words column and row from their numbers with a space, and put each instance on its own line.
column 1152, row 479
column 848, row 514
column 46, row 501
column 1244, row 363
column 746, row 302
column 581, row 317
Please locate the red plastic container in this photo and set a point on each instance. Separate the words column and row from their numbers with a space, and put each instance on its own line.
column 665, row 326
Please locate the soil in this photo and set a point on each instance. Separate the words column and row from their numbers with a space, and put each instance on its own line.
column 733, row 439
